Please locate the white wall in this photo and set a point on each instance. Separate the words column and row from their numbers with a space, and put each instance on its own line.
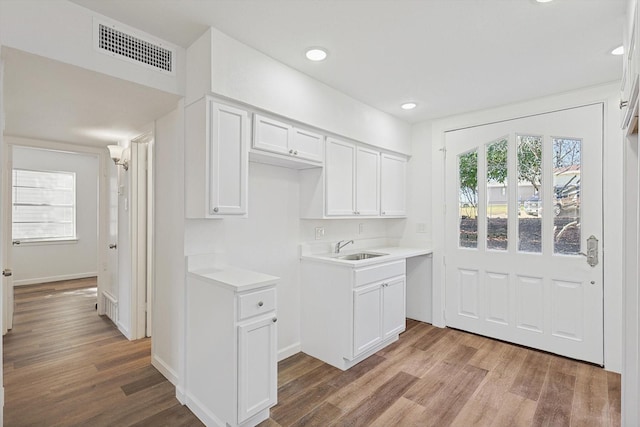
column 45, row 262
column 266, row 241
column 169, row 263
column 613, row 197
column 417, row 229
column 65, row 32
column 245, row 74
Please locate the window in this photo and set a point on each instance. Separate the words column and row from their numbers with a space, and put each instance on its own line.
column 44, row 205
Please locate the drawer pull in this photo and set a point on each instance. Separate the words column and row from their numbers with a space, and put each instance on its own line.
column 260, row 304
column 275, row 319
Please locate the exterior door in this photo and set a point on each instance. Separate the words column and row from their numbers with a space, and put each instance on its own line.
column 523, row 211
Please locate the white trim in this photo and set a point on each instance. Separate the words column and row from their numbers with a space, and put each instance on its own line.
column 123, row 330
column 164, row 369
column 37, row 280
column 289, row 351
column 607, row 94
column 45, row 242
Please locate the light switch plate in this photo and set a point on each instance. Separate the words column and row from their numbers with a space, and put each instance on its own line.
column 319, row 233
column 421, row 227
column 361, row 228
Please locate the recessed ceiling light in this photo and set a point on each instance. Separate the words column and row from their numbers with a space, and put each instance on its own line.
column 544, row 1
column 408, row 105
column 618, row 51
column 316, row 54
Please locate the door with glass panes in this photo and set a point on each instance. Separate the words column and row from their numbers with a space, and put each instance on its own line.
column 523, row 227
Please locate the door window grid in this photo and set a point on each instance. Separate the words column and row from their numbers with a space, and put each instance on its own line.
column 530, row 192
column 497, row 194
column 44, row 205
column 567, row 156
column 468, row 199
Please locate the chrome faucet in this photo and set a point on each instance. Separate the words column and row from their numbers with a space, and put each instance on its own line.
column 341, row 245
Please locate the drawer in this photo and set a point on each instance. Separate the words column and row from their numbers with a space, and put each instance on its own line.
column 255, row 303
column 378, row 272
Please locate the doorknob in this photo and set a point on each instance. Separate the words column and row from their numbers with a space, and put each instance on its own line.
column 113, row 246
column 7, row 272
column 592, row 251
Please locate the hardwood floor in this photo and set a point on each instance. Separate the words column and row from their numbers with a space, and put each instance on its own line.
column 444, row 377
column 64, row 365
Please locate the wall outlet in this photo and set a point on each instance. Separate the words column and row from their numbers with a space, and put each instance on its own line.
column 319, row 233
column 421, row 227
column 360, row 228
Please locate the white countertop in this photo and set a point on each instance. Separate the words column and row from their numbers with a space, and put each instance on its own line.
column 236, row 279
column 392, row 253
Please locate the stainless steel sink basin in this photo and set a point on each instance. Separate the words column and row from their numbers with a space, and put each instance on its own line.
column 360, row 256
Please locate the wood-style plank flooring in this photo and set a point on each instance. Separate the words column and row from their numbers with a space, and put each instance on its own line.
column 64, row 365
column 444, row 377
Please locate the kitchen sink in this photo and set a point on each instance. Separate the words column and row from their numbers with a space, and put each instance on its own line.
column 360, row 256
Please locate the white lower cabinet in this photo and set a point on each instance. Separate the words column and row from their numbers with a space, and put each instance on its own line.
column 378, row 313
column 231, row 347
column 350, row 313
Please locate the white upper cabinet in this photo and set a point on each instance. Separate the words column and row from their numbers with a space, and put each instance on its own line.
column 281, row 138
column 367, row 182
column 216, row 161
column 340, row 165
column 357, row 181
column 393, row 177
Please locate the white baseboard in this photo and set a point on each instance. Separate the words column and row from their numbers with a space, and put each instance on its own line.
column 289, row 351
column 166, row 370
column 37, row 280
column 124, row 331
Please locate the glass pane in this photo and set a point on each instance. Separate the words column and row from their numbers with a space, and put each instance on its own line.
column 497, row 195
column 43, row 204
column 566, row 197
column 468, row 179
column 530, row 193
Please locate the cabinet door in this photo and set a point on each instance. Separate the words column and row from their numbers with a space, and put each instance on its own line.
column 228, row 160
column 393, row 307
column 367, row 318
column 271, row 135
column 367, row 182
column 393, row 183
column 257, row 367
column 340, row 177
column 307, row 145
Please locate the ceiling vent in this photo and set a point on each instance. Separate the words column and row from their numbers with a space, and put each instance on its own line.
column 111, row 40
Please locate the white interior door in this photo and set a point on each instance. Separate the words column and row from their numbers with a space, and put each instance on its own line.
column 523, row 198
column 7, row 242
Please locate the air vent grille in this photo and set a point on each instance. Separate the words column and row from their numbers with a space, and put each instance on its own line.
column 134, row 48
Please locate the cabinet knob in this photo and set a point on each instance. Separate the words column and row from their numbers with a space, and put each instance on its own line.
column 275, row 319
column 215, row 210
column 295, row 152
column 623, row 104
column 290, row 151
column 382, row 213
column 260, row 304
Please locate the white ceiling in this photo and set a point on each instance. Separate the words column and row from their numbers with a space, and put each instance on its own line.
column 450, row 56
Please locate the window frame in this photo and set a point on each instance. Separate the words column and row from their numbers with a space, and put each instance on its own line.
column 45, row 240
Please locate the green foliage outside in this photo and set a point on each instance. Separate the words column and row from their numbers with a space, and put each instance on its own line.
column 529, row 166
